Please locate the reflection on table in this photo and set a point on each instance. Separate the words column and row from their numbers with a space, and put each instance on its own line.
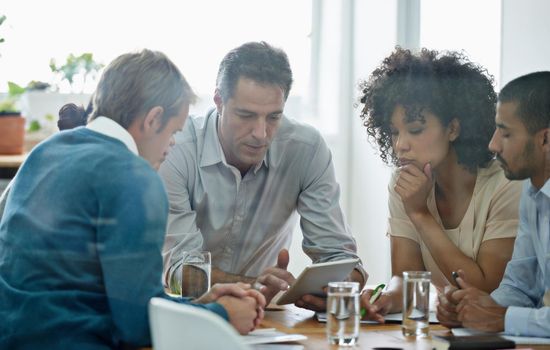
column 291, row 319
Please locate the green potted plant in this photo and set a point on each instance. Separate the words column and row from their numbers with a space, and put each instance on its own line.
column 42, row 101
column 76, row 70
column 12, row 123
column 34, row 123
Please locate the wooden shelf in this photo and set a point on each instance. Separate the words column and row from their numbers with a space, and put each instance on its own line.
column 12, row 161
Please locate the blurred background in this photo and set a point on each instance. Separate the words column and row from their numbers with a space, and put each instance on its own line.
column 62, row 45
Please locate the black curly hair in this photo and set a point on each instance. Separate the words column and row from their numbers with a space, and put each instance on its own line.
column 445, row 84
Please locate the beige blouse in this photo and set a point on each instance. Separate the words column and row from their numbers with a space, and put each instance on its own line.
column 492, row 213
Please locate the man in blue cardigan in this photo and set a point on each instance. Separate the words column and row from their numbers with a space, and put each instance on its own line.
column 84, row 223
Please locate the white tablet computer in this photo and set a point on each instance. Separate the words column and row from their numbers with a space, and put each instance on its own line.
column 315, row 277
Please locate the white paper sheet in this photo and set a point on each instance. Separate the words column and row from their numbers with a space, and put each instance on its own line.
column 270, row 335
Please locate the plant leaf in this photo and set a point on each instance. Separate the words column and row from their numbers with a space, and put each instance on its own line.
column 34, row 126
column 14, row 89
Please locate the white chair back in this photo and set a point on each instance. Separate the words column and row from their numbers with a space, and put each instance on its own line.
column 177, row 326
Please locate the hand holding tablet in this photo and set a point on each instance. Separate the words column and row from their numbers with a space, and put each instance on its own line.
column 315, row 277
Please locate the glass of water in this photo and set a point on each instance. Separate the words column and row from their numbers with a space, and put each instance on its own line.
column 196, row 269
column 343, row 313
column 416, row 303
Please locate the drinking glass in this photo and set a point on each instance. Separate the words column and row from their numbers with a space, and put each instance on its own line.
column 343, row 313
column 196, row 269
column 416, row 303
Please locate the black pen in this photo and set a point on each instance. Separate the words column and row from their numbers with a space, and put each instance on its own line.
column 455, row 276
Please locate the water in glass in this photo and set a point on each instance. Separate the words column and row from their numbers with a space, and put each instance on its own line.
column 343, row 314
column 416, row 304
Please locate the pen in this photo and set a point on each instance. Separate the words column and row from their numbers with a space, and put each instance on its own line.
column 375, row 295
column 455, row 276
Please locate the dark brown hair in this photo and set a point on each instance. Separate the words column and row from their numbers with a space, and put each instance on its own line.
column 71, row 116
column 258, row 61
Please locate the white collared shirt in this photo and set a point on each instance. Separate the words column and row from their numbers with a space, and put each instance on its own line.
column 109, row 127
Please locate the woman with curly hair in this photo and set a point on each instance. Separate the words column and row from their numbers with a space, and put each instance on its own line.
column 451, row 207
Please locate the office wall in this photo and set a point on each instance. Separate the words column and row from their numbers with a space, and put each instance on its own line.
column 525, row 38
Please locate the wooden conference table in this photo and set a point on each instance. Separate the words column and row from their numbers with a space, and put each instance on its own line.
column 291, row 319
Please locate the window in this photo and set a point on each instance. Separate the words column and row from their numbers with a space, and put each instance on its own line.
column 194, row 34
column 469, row 25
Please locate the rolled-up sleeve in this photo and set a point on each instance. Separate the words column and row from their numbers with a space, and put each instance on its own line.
column 326, row 235
column 182, row 230
column 522, row 288
column 523, row 321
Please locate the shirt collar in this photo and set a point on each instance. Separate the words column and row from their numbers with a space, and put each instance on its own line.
column 213, row 151
column 545, row 189
column 110, row 128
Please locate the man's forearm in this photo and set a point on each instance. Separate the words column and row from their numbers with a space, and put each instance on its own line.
column 357, row 276
column 219, row 276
